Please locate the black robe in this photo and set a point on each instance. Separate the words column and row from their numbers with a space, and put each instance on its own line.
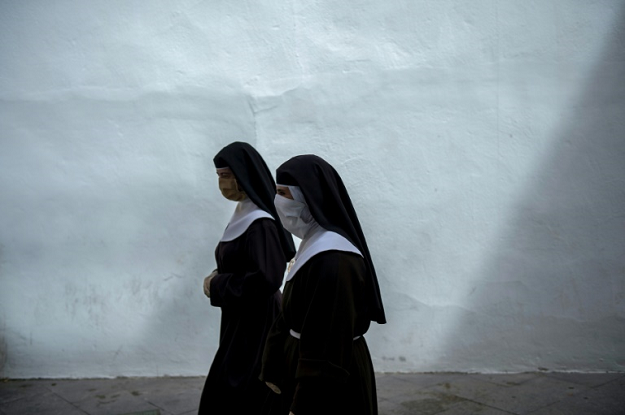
column 250, row 273
column 326, row 371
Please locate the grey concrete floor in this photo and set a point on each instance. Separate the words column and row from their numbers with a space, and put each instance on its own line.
column 398, row 394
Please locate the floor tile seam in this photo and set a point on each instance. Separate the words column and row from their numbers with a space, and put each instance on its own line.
column 503, row 385
column 61, row 397
column 466, row 398
column 550, row 402
column 542, row 408
column 462, row 401
column 161, row 409
column 478, row 377
column 409, row 381
column 47, row 391
column 525, row 410
column 486, row 382
column 585, row 384
column 620, row 378
column 488, row 406
column 577, row 387
column 398, row 398
column 399, row 376
column 17, row 398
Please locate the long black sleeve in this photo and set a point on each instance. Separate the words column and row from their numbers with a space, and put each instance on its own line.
column 260, row 272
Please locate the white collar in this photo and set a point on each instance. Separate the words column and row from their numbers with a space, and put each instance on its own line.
column 318, row 241
column 244, row 214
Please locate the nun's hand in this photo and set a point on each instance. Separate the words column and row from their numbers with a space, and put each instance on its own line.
column 207, row 283
column 273, row 387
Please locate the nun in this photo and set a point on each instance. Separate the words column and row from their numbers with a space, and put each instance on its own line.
column 251, row 259
column 316, row 359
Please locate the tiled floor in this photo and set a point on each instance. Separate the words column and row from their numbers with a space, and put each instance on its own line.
column 398, row 394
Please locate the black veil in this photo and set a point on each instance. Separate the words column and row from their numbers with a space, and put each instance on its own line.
column 332, row 208
column 254, row 177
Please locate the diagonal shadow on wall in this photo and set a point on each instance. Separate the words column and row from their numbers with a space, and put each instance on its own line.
column 552, row 293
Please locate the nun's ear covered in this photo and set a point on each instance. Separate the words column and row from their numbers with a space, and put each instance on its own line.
column 330, row 205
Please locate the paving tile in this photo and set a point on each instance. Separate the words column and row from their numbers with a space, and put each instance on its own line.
column 398, row 394
column 105, row 396
column 473, row 408
column 421, row 380
column 424, row 402
column 519, row 399
column 506, row 379
column 386, row 407
column 121, row 402
column 579, row 408
column 45, row 404
column 12, row 390
column 175, row 401
column 586, row 379
column 390, row 385
column 77, row 390
column 170, row 395
column 607, row 399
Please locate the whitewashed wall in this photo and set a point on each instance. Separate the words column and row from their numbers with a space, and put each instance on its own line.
column 483, row 144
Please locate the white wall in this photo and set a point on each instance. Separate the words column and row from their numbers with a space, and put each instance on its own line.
column 483, row 144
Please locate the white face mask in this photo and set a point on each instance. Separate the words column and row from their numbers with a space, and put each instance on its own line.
column 295, row 216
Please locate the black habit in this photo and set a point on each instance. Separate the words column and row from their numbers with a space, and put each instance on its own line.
column 328, row 370
column 251, row 269
column 316, row 352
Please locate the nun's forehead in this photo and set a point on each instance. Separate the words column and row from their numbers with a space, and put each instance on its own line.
column 297, row 194
column 294, row 191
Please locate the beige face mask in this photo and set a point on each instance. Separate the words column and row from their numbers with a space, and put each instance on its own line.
column 230, row 189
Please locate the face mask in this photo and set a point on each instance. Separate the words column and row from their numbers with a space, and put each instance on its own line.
column 295, row 216
column 230, row 189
